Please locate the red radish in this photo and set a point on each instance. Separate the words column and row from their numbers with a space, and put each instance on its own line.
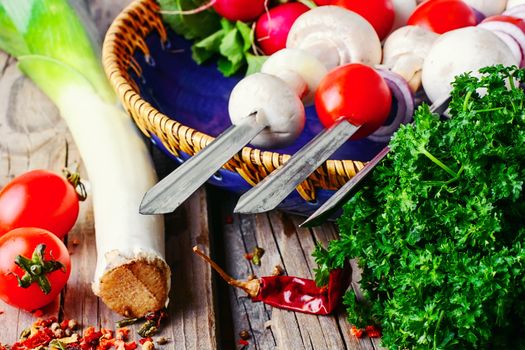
column 441, row 16
column 273, row 26
column 239, row 10
column 379, row 13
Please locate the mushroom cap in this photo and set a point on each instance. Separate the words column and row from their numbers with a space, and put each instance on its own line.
column 277, row 104
column 413, row 40
column 460, row 51
column 307, row 66
column 354, row 39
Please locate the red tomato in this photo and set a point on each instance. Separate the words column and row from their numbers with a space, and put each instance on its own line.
column 272, row 28
column 239, row 10
column 520, row 23
column 39, row 198
column 356, row 92
column 379, row 13
column 24, row 243
column 441, row 16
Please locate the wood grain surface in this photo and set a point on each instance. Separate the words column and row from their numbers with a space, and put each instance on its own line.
column 204, row 313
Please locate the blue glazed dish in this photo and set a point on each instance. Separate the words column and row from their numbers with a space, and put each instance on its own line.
column 197, row 96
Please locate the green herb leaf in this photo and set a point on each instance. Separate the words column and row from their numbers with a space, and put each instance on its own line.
column 194, row 26
column 254, row 63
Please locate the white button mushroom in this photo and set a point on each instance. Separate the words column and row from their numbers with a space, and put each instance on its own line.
column 277, row 104
column 299, row 69
column 488, row 7
column 405, row 50
column 336, row 36
column 459, row 51
column 403, row 9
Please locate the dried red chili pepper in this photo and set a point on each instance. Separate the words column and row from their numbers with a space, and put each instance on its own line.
column 291, row 293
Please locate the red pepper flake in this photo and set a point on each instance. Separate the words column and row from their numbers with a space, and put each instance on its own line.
column 64, row 324
column 373, row 332
column 243, row 342
column 143, row 340
column 248, row 256
column 2, row 347
column 1, row 313
column 122, row 333
column 357, row 332
column 42, row 337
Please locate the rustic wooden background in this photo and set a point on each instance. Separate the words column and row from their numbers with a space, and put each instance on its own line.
column 204, row 312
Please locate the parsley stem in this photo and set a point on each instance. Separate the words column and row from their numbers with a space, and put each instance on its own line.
column 437, row 161
column 488, row 110
column 467, row 100
column 441, row 314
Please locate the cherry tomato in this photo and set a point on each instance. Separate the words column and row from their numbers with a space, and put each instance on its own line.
column 356, row 92
column 39, row 198
column 272, row 28
column 518, row 22
column 441, row 16
column 239, row 10
column 379, row 13
column 40, row 252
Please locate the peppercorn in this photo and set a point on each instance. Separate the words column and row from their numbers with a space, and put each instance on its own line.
column 244, row 334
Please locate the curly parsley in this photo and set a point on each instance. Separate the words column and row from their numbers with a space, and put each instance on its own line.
column 439, row 228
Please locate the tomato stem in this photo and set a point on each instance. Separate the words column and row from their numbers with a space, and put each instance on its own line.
column 36, row 269
column 73, row 177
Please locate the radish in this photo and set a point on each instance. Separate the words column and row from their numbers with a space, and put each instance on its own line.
column 273, row 26
column 459, row 51
column 239, row 10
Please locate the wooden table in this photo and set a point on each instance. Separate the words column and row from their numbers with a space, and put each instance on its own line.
column 205, row 313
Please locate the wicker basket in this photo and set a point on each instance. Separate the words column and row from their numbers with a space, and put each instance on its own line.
column 128, row 34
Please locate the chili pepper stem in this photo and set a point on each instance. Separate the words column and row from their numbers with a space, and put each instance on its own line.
column 251, row 287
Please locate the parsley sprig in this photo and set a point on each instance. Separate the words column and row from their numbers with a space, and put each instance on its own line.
column 439, row 228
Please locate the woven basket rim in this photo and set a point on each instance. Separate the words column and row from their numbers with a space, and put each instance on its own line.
column 125, row 35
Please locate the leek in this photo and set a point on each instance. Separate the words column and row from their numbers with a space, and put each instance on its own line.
column 54, row 49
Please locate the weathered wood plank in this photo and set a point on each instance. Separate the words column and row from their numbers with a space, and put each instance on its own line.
column 239, row 233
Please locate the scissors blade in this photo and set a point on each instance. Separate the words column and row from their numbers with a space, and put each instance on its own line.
column 345, row 192
column 274, row 188
column 175, row 188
